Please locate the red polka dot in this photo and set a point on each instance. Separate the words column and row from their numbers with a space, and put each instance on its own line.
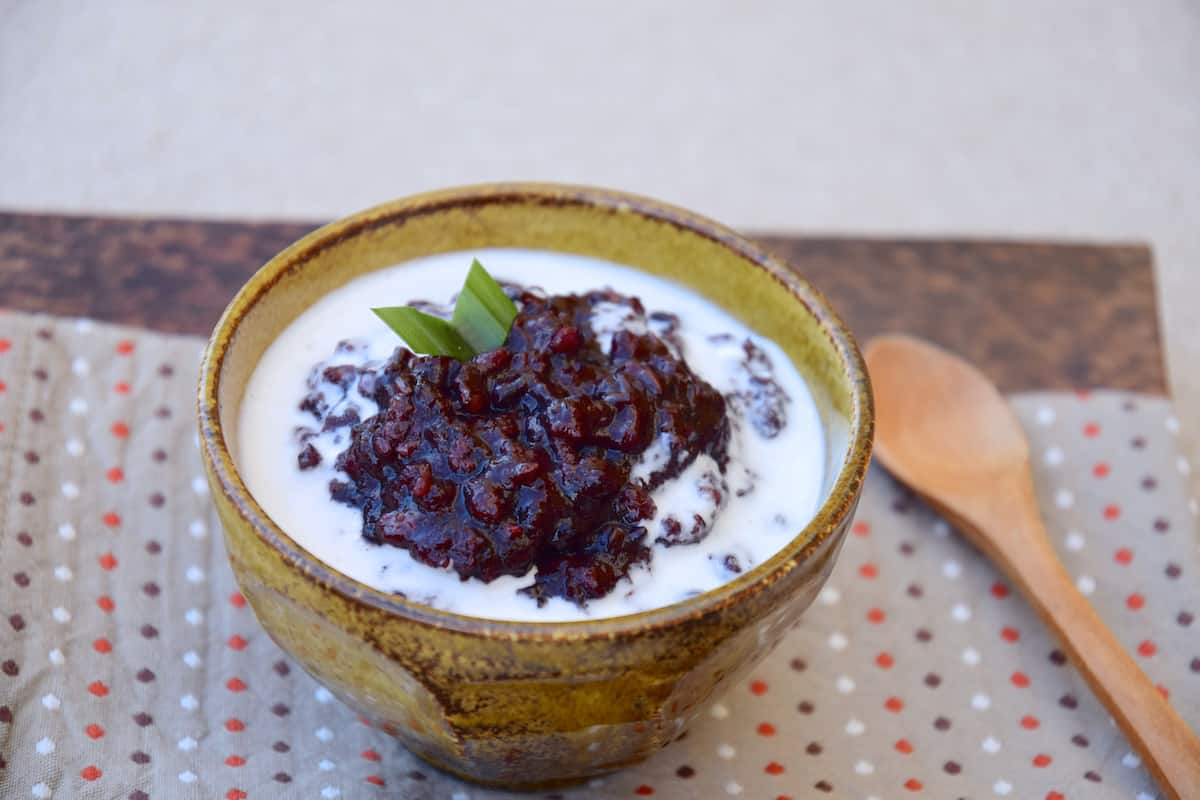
column 1112, row 511
column 868, row 570
column 90, row 773
column 1123, row 556
column 885, row 660
column 1166, row 695
column 236, row 642
column 124, row 347
column 1020, row 680
column 370, row 755
column 1135, row 601
column 94, row 731
column 999, row 591
column 903, row 746
column 758, row 687
column 235, row 794
column 122, row 387
column 861, row 529
column 766, row 729
column 1147, row 649
column 1101, row 470
column 237, row 600
column 375, row 780
column 1010, row 634
column 644, row 790
column 234, row 725
column 235, row 685
column 120, row 430
column 102, row 646
column 1042, row 760
column 913, row 785
column 115, row 475
column 5, row 345
column 108, row 561
column 98, row 688
column 876, row 616
column 1030, row 723
column 105, row 603
column 235, row 761
column 774, row 768
column 112, row 519
column 894, row 704
column 3, row 387
column 1055, row 796
column 1091, row 430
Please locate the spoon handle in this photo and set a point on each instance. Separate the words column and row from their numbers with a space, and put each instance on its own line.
column 1169, row 748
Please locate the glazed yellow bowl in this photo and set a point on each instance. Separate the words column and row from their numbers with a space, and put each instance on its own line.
column 520, row 704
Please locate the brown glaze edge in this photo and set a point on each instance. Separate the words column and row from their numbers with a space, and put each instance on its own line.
column 837, row 506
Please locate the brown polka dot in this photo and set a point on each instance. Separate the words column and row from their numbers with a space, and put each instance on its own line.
column 907, row 548
column 1129, row 405
column 813, row 749
column 10, row 668
column 139, row 757
column 798, row 664
column 17, row 622
column 142, row 719
column 162, row 412
column 145, row 675
column 159, row 455
column 1057, row 658
column 6, row 716
column 915, row 590
column 805, row 707
column 1149, row 484
column 282, row 777
column 685, row 771
column 27, row 498
column 923, row 635
column 1162, row 525
column 823, row 786
column 1094, row 777
column 942, row 724
column 41, row 374
column 24, row 538
column 1184, row 618
column 417, row 775
column 282, row 669
column 280, row 710
column 1195, row 665
column 1068, row 701
column 157, row 500
column 138, row 794
column 166, row 370
column 32, row 457
column 952, row 768
column 1138, row 442
column 44, row 334
column 1172, row 571
column 281, row 747
column 933, row 680
column 21, row 579
column 151, row 589
column 149, row 631
column 1079, row 740
column 153, row 547
column 36, row 415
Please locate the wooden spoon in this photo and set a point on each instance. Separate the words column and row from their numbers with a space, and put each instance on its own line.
column 942, row 428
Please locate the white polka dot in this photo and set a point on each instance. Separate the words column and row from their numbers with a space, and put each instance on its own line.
column 330, row 791
column 1131, row 760
column 78, row 406
column 187, row 744
column 74, row 448
column 1144, row 796
column 981, row 702
column 970, row 656
column 1172, row 425
column 1054, row 456
column 61, row 615
column 187, row 776
column 837, row 641
column 191, row 659
column 951, row 569
column 1194, row 506
column 199, row 486
column 1074, row 541
column 864, row 768
column 1086, row 584
column 1046, row 416
column 595, row 783
column 855, row 727
column 70, row 490
column 57, row 658
column 1002, row 788
column 829, row 596
column 990, row 745
column 193, row 616
column 733, row 787
column 66, row 532
column 80, row 366
column 323, row 695
column 194, row 574
column 84, row 325
column 961, row 612
column 323, row 733
column 51, row 702
column 1184, row 466
column 1064, row 499
column 941, row 529
column 719, row 711
column 844, row 684
column 325, row 765
column 41, row 791
column 198, row 529
column 45, row 746
column 726, row 751
column 63, row 573
column 460, row 796
column 189, row 702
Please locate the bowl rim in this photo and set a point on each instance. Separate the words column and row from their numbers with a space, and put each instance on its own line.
column 834, row 510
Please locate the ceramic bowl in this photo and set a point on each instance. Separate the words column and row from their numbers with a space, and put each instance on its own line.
column 519, row 704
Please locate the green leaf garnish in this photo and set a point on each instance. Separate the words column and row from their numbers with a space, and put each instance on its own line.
column 482, row 316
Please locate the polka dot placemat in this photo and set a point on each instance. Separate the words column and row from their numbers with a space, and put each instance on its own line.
column 130, row 666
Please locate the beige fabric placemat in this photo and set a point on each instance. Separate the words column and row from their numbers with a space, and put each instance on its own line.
column 130, row 667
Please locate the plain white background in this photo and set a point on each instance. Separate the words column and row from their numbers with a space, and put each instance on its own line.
column 1028, row 119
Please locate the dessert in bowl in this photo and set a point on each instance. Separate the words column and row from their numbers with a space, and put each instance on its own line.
column 535, row 562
